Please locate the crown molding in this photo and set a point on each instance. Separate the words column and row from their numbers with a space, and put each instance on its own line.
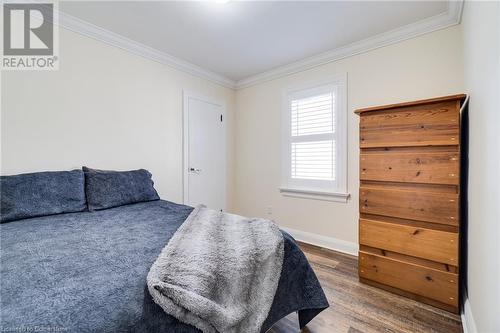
column 444, row 20
column 95, row 32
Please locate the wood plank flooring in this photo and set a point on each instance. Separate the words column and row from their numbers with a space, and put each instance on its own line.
column 359, row 308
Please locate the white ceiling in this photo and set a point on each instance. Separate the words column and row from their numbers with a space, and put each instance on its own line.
column 241, row 39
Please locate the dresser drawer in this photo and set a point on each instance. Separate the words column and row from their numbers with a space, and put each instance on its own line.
column 421, row 280
column 414, row 167
column 422, row 125
column 436, row 245
column 417, row 204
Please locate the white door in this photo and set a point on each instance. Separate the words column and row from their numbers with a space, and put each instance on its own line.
column 204, row 152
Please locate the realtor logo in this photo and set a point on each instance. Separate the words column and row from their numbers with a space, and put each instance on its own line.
column 29, row 41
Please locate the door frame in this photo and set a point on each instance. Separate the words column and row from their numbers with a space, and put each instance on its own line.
column 187, row 95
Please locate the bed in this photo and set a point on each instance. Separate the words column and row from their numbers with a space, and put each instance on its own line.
column 86, row 272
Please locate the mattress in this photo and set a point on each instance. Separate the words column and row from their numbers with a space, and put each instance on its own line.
column 86, row 272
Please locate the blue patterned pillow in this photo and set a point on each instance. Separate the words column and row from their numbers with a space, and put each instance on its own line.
column 41, row 193
column 106, row 189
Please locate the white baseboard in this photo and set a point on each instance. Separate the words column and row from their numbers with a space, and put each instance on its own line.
column 324, row 241
column 468, row 323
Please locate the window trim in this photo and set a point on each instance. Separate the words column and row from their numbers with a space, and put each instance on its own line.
column 338, row 192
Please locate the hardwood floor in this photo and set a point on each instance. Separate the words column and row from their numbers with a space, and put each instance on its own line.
column 359, row 308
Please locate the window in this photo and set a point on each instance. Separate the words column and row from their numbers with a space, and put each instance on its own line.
column 314, row 142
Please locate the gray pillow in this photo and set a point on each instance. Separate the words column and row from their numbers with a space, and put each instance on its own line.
column 41, row 193
column 106, row 189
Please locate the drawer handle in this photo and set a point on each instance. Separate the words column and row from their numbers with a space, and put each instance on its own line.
column 428, row 278
column 416, row 231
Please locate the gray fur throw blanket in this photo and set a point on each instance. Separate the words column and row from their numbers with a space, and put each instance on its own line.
column 219, row 272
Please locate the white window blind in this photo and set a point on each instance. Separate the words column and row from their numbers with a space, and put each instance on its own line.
column 314, row 141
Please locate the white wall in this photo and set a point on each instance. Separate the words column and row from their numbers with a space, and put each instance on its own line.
column 481, row 34
column 427, row 66
column 104, row 108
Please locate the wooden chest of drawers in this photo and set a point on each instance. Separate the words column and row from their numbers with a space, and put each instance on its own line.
column 409, row 199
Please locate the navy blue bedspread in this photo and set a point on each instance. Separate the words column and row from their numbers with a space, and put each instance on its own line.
column 86, row 272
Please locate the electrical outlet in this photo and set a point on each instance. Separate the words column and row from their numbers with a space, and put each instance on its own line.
column 269, row 210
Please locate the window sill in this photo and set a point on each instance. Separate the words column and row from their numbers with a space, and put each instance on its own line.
column 315, row 195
